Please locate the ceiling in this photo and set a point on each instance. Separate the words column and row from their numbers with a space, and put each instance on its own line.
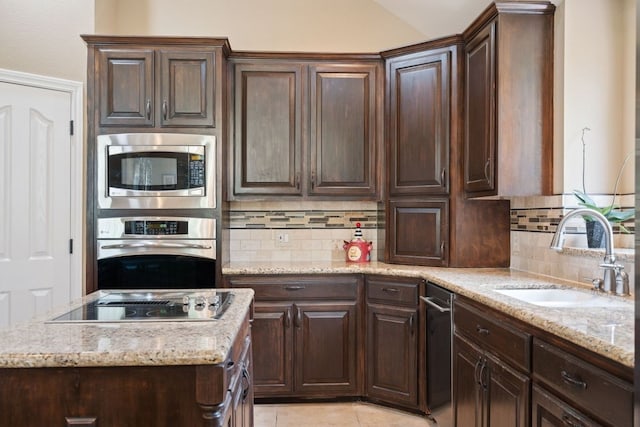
column 436, row 18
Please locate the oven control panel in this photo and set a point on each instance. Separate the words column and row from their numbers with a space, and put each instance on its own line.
column 156, row 228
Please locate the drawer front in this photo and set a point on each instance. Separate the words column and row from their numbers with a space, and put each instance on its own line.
column 276, row 288
column 392, row 292
column 493, row 334
column 596, row 391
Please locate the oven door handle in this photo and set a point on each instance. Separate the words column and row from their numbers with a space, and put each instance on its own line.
column 155, row 245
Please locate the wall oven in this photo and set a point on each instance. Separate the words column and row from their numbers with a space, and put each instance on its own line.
column 156, row 171
column 156, row 253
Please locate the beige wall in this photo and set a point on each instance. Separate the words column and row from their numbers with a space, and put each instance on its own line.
column 42, row 36
column 595, row 82
column 280, row 25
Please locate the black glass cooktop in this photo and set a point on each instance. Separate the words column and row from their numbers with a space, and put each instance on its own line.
column 140, row 305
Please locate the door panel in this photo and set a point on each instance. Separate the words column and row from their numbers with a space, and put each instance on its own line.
column 268, row 129
column 272, row 343
column 326, row 348
column 35, row 183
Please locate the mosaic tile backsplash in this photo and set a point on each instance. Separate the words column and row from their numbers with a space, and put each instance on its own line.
column 316, row 231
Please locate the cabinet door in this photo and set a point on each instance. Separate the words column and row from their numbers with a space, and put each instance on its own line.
column 506, row 395
column 418, row 232
column 187, row 88
column 549, row 411
column 480, row 112
column 272, row 335
column 392, row 346
column 326, row 345
column 345, row 119
column 467, row 392
column 268, row 129
column 419, row 105
column 125, row 87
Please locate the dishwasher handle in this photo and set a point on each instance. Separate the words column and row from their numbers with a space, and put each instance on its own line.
column 430, row 301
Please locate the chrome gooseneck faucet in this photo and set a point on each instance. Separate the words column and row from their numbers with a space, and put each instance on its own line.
column 615, row 279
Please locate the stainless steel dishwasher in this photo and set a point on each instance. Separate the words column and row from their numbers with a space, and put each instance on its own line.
column 439, row 303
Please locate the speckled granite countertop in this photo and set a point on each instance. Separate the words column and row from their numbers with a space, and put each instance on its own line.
column 606, row 331
column 40, row 344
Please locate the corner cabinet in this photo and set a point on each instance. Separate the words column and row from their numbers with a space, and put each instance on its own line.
column 508, row 101
column 151, row 87
column 419, row 109
column 306, row 128
column 307, row 335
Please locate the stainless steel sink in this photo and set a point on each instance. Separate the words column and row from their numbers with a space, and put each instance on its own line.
column 561, row 297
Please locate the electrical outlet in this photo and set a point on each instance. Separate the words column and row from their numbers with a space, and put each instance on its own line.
column 282, row 238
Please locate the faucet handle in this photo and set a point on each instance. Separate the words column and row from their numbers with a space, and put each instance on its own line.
column 622, row 282
column 612, row 266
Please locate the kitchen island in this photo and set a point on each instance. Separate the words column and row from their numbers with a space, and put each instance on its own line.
column 165, row 373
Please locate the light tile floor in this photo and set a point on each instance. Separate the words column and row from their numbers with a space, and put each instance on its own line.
column 350, row 414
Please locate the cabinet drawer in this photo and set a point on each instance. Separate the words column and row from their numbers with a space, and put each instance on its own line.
column 392, row 292
column 291, row 288
column 602, row 394
column 494, row 334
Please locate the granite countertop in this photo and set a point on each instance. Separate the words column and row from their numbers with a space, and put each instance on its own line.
column 605, row 331
column 39, row 344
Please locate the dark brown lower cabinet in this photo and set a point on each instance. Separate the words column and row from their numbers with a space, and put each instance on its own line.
column 393, row 331
column 549, row 411
column 392, row 347
column 487, row 391
column 307, row 335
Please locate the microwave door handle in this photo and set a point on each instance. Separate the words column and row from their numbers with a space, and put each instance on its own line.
column 155, row 245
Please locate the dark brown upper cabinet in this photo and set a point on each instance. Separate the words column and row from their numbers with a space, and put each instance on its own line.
column 419, row 104
column 146, row 87
column 268, row 128
column 508, row 106
column 306, row 129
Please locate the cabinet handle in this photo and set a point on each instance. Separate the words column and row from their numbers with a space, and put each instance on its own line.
column 293, row 288
column 390, row 290
column 147, row 109
column 313, row 179
column 476, row 377
column 481, row 330
column 430, row 301
column 164, row 109
column 486, row 169
column 246, row 380
column 569, row 421
column 442, row 249
column 568, row 379
column 298, row 318
column 287, row 319
column 483, row 369
column 297, row 181
column 443, row 175
column 411, row 331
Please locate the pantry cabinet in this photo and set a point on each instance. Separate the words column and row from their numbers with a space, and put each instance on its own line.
column 508, row 101
column 306, row 128
column 156, row 87
column 307, row 335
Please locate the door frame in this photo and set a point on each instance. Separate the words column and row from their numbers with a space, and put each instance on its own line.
column 74, row 88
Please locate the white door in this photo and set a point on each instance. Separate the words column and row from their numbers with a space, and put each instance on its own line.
column 35, row 201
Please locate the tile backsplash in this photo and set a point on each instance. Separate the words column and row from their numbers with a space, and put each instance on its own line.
column 298, row 231
column 316, row 231
column 535, row 219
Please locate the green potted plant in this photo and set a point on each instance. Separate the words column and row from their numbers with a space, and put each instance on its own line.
column 595, row 232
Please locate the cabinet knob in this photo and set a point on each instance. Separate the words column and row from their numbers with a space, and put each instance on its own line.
column 481, row 330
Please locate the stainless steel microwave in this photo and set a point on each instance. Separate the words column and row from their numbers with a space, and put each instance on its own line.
column 156, row 171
